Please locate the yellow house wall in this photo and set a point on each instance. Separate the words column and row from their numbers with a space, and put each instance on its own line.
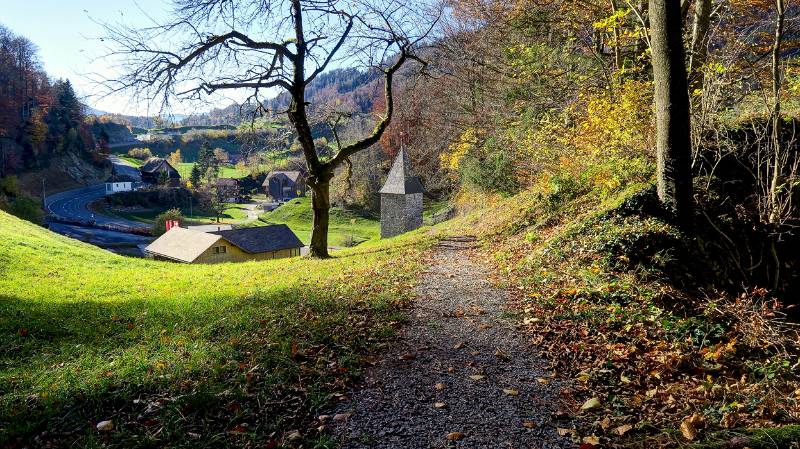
column 234, row 254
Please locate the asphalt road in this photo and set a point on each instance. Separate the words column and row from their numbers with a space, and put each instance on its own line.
column 74, row 204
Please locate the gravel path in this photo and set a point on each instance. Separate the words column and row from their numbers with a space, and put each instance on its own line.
column 461, row 375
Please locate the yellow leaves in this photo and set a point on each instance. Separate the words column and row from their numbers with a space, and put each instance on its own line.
column 467, row 142
column 510, row 392
column 720, row 350
column 615, row 20
column 477, row 377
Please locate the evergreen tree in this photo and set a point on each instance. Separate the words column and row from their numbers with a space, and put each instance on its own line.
column 64, row 118
column 196, row 175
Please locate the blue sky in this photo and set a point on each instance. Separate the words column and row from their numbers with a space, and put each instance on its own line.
column 66, row 34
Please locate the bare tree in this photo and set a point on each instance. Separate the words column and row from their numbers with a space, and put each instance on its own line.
column 266, row 45
column 673, row 139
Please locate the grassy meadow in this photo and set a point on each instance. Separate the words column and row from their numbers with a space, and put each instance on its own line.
column 229, row 355
column 346, row 228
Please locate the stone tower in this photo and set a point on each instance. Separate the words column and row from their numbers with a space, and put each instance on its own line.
column 401, row 199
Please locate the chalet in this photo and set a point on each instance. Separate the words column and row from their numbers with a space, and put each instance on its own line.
column 156, row 169
column 228, row 190
column 235, row 245
column 285, row 185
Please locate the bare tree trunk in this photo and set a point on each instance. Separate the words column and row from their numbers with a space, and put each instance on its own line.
column 702, row 22
column 673, row 140
column 321, row 206
column 777, row 164
column 617, row 53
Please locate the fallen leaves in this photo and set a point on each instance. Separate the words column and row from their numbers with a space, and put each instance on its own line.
column 439, row 405
column 623, row 429
column 455, row 436
column 689, row 426
column 590, row 404
column 439, row 386
column 477, row 377
column 510, row 392
column 105, row 426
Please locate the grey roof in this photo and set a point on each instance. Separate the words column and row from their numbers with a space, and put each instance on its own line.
column 121, row 178
column 152, row 165
column 262, row 239
column 293, row 175
column 227, row 182
column 182, row 244
column 400, row 181
column 155, row 163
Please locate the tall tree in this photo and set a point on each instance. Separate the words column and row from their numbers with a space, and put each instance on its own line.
column 673, row 140
column 257, row 45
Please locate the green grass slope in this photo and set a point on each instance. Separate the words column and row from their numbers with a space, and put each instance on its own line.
column 230, row 355
column 346, row 228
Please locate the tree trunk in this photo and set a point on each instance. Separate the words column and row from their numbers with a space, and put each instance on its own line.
column 702, row 22
column 775, row 214
column 673, row 144
column 320, row 206
column 617, row 52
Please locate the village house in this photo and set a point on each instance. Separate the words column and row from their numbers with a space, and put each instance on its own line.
column 157, row 169
column 228, row 190
column 120, row 183
column 234, row 245
column 285, row 185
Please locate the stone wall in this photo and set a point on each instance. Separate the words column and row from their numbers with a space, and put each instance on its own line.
column 400, row 213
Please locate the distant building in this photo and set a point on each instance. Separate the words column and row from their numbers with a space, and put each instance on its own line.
column 401, row 199
column 228, row 190
column 285, row 185
column 235, row 245
column 120, row 183
column 157, row 168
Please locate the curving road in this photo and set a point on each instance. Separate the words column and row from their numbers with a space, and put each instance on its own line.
column 74, row 204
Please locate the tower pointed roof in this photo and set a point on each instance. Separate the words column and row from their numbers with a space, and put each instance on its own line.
column 400, row 181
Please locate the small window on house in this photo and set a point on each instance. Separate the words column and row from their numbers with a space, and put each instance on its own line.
column 220, row 249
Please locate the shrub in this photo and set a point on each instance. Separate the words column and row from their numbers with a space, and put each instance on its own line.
column 140, row 153
column 26, row 207
column 160, row 225
column 491, row 173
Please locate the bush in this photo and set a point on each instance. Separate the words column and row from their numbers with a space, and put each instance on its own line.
column 25, row 207
column 160, row 225
column 140, row 153
column 495, row 173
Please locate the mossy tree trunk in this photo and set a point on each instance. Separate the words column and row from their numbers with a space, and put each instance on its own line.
column 673, row 143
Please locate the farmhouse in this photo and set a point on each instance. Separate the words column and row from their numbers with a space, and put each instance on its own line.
column 235, row 245
column 285, row 185
column 157, row 169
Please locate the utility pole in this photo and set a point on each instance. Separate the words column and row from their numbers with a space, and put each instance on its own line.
column 44, row 195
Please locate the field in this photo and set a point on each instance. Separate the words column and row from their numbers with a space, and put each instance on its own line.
column 346, row 228
column 225, row 171
column 185, row 168
column 181, row 355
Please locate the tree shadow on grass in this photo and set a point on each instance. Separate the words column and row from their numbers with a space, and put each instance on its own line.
column 230, row 377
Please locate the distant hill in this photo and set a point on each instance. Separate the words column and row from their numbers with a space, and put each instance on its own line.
column 351, row 88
